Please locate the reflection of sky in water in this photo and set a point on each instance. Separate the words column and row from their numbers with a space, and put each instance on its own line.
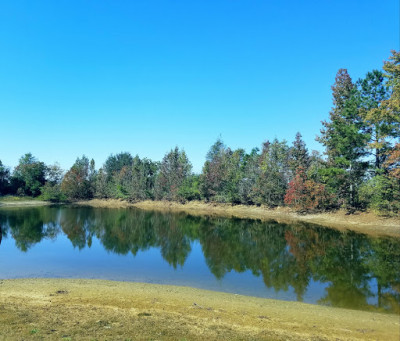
column 59, row 258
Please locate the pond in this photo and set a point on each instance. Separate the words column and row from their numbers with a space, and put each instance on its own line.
column 297, row 262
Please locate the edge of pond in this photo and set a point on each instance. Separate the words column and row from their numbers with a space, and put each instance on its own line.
column 83, row 309
column 361, row 222
column 367, row 223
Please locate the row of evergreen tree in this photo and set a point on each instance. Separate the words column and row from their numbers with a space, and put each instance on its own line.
column 360, row 169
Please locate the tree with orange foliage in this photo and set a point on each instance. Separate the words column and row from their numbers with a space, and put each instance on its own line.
column 304, row 194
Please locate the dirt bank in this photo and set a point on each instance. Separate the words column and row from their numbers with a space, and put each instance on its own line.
column 98, row 310
column 360, row 222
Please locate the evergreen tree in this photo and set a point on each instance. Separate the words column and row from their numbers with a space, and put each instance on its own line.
column 175, row 168
column 391, row 106
column 373, row 91
column 274, row 173
column 298, row 155
column 345, row 142
column 101, row 185
column 247, row 191
column 142, row 180
column 115, row 163
column 213, row 177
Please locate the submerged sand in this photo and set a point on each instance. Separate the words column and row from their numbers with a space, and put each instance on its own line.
column 69, row 309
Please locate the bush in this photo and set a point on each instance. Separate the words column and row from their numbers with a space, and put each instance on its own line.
column 381, row 194
column 189, row 190
column 52, row 193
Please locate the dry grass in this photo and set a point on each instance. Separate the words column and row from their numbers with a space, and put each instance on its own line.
column 63, row 309
column 367, row 223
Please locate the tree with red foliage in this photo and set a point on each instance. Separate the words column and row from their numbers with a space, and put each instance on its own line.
column 305, row 194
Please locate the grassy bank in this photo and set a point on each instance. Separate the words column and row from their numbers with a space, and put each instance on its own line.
column 97, row 310
column 16, row 201
column 368, row 223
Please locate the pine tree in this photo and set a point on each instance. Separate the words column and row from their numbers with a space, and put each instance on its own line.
column 373, row 92
column 175, row 168
column 344, row 140
column 298, row 155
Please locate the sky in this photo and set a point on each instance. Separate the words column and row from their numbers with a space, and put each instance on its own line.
column 102, row 77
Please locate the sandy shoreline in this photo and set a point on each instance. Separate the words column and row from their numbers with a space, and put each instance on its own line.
column 367, row 223
column 97, row 309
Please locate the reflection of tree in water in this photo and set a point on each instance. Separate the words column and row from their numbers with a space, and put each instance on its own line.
column 77, row 224
column 240, row 245
column 30, row 226
column 291, row 256
column 124, row 231
column 383, row 261
column 3, row 226
column 357, row 269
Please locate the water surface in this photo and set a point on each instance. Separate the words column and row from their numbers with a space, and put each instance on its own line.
column 297, row 262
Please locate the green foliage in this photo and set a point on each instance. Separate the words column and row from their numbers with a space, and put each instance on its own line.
column 79, row 181
column 115, row 163
column 345, row 140
column 101, row 185
column 274, row 173
column 382, row 195
column 142, row 180
column 128, row 178
column 298, row 155
column 29, row 176
column 189, row 190
column 224, row 174
column 52, row 193
column 246, row 187
column 4, row 179
column 380, row 130
column 213, row 177
column 174, row 170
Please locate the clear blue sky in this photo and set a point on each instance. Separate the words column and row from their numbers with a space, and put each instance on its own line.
column 101, row 77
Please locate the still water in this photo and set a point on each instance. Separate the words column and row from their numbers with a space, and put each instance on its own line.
column 298, row 262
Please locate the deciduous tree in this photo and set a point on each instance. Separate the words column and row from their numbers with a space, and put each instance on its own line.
column 29, row 176
column 77, row 181
column 4, row 179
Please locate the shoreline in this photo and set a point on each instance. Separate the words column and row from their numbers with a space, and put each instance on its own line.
column 361, row 222
column 97, row 309
column 367, row 223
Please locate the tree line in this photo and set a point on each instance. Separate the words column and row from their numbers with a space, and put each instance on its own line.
column 360, row 168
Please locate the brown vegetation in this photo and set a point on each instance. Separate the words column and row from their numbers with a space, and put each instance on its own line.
column 99, row 310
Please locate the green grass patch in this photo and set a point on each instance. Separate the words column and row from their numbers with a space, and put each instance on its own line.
column 14, row 198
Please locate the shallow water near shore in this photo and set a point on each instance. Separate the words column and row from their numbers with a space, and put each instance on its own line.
column 294, row 262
